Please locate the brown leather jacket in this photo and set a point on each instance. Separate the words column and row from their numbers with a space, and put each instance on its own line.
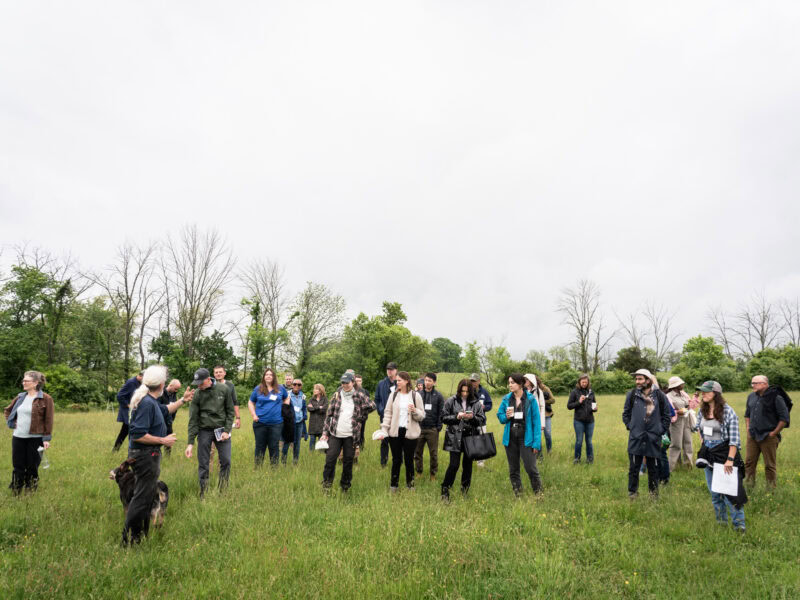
column 41, row 414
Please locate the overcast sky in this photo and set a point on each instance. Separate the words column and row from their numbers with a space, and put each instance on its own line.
column 467, row 159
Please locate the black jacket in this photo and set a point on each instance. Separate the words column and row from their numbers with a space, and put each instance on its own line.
column 583, row 412
column 645, row 433
column 317, row 408
column 433, row 415
column 458, row 429
column 287, row 431
column 766, row 411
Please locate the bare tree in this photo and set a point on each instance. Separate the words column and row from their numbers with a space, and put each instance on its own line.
column 790, row 311
column 632, row 330
column 263, row 280
column 757, row 326
column 720, row 329
column 319, row 320
column 580, row 306
column 198, row 266
column 659, row 320
column 126, row 282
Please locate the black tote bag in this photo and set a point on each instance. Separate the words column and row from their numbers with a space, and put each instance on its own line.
column 480, row 446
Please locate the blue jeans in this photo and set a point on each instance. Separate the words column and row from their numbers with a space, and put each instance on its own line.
column 584, row 430
column 298, row 433
column 548, row 425
column 267, row 436
column 721, row 505
column 312, row 441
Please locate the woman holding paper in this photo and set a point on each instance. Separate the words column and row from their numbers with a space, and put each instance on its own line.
column 719, row 432
column 401, row 418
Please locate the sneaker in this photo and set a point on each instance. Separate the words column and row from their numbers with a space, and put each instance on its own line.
column 633, row 495
column 433, row 476
column 590, row 461
column 518, row 493
column 410, row 486
column 740, row 530
column 445, row 494
column 393, row 489
column 576, row 461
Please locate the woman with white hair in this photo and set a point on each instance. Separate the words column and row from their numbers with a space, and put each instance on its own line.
column 148, row 432
column 680, row 431
column 30, row 415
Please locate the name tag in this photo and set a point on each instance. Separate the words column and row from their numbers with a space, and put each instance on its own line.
column 428, row 407
column 297, row 409
column 273, row 397
column 518, row 415
column 708, row 431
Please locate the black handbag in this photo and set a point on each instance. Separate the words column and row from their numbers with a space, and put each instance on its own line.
column 480, row 446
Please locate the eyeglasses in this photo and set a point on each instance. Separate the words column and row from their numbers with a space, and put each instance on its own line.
column 27, row 381
column 297, row 385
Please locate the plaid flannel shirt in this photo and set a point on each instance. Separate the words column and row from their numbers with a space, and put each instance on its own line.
column 730, row 426
column 362, row 406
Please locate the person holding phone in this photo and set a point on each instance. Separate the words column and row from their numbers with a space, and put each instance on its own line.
column 265, row 407
column 719, row 433
column 583, row 402
column 463, row 414
column 402, row 416
column 522, row 436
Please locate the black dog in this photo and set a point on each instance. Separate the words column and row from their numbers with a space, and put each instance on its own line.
column 126, row 481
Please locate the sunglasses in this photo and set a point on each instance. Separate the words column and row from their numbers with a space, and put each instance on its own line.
column 297, row 385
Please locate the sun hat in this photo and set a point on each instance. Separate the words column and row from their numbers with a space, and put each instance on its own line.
column 674, row 382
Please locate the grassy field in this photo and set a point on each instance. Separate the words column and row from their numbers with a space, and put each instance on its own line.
column 274, row 535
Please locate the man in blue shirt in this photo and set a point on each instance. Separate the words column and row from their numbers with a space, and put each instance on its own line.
column 124, row 398
column 385, row 387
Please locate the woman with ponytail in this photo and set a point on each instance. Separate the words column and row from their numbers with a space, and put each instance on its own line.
column 148, row 432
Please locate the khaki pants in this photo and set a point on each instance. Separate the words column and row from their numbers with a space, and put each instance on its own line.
column 681, row 435
column 431, row 438
column 769, row 448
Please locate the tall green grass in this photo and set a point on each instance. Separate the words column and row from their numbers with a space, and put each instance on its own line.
column 273, row 534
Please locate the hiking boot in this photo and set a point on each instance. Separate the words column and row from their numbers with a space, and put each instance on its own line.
column 445, row 494
column 517, row 492
column 326, row 487
column 633, row 495
column 464, row 491
column 576, row 461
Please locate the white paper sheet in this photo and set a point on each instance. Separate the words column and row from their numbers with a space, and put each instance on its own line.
column 722, row 483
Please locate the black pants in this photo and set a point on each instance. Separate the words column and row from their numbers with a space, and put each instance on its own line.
column 123, row 433
column 452, row 469
column 402, row 452
column 347, row 448
column 633, row 473
column 146, row 468
column 25, row 459
column 517, row 450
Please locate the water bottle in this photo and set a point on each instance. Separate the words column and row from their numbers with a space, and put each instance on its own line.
column 45, row 462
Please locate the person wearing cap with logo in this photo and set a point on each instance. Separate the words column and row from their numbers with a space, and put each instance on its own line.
column 431, row 425
column 485, row 399
column 347, row 410
column 719, row 432
column 210, row 421
column 767, row 414
column 385, row 388
column 680, row 430
column 646, row 416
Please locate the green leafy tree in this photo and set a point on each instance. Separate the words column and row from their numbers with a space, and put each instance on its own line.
column 632, row 359
column 471, row 362
column 702, row 359
column 449, row 355
column 538, row 360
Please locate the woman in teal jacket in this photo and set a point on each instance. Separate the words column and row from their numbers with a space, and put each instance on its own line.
column 522, row 437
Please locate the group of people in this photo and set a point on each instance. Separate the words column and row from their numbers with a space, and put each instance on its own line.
column 412, row 416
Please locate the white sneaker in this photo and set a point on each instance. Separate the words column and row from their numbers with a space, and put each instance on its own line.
column 481, row 463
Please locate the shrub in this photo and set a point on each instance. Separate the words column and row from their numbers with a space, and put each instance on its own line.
column 68, row 386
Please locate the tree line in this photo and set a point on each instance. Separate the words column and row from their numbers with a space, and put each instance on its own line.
column 185, row 302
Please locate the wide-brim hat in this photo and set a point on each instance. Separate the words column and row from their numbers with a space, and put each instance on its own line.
column 674, row 382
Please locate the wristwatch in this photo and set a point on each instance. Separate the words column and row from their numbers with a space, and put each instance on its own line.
column 730, row 458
